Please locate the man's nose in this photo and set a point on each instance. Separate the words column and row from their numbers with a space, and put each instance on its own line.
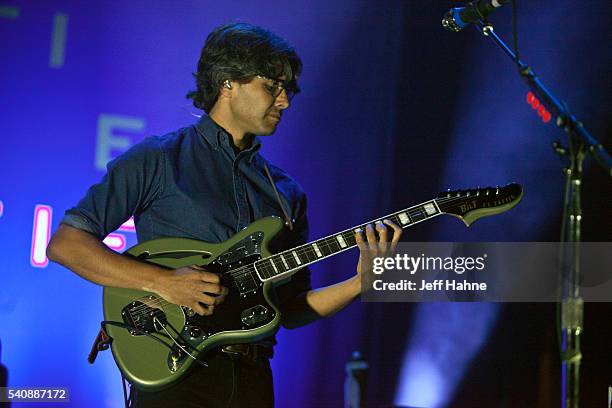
column 282, row 101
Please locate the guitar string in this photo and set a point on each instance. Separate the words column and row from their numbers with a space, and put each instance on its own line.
column 328, row 241
column 306, row 251
column 159, row 301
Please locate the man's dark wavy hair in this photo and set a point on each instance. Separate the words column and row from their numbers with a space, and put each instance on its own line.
column 238, row 52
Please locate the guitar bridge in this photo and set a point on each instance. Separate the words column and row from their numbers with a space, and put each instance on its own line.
column 143, row 318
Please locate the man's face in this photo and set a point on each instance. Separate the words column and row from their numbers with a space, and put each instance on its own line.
column 254, row 108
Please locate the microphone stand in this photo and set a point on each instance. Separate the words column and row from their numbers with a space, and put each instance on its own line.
column 579, row 142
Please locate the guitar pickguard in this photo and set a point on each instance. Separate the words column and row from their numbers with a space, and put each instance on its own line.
column 245, row 252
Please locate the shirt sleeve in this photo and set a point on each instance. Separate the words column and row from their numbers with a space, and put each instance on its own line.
column 133, row 180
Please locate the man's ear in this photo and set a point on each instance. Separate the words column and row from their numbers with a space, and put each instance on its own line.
column 226, row 89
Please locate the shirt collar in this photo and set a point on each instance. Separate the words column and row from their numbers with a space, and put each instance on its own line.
column 217, row 137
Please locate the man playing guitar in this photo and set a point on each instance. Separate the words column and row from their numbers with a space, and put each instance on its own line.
column 207, row 182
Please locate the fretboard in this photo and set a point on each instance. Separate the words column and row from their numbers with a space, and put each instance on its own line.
column 286, row 263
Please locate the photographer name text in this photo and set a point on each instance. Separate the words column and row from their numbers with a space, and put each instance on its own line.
column 435, row 285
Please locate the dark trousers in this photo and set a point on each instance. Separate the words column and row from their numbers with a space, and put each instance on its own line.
column 227, row 382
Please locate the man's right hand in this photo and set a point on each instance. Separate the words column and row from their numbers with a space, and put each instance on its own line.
column 192, row 287
column 87, row 256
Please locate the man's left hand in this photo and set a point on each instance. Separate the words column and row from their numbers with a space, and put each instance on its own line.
column 371, row 247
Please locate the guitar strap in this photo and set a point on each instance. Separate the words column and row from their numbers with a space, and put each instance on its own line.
column 288, row 220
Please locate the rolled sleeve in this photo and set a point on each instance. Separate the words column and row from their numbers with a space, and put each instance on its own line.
column 73, row 219
column 133, row 180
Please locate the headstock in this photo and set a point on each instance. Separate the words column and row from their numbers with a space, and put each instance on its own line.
column 470, row 205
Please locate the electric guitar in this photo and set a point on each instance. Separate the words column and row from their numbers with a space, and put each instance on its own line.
column 155, row 342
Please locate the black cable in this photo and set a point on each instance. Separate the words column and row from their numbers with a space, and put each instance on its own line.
column 169, row 346
column 202, row 363
column 103, row 324
column 181, row 337
column 136, row 329
column 139, row 331
column 125, row 397
column 235, row 378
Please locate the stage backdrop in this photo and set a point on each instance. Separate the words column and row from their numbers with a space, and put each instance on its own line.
column 393, row 110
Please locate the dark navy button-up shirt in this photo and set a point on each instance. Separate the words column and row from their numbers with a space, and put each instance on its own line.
column 191, row 184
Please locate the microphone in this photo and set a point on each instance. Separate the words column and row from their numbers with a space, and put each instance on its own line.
column 456, row 19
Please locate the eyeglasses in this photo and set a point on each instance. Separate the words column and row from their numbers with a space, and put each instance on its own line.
column 276, row 87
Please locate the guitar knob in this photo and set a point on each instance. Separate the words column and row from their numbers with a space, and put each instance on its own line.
column 195, row 332
column 189, row 311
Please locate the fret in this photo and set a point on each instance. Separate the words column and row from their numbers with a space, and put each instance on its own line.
column 418, row 214
column 291, row 263
column 324, row 247
column 437, row 206
column 349, row 238
column 260, row 269
column 290, row 259
column 284, row 262
column 306, row 254
column 273, row 266
column 296, row 257
column 404, row 218
column 278, row 265
column 335, row 245
column 268, row 268
column 395, row 219
column 430, row 209
column 317, row 250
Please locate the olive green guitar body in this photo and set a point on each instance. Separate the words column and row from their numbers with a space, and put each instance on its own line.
column 247, row 314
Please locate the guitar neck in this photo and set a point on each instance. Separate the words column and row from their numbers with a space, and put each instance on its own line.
column 285, row 263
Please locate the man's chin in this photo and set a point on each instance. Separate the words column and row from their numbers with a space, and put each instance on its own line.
column 267, row 130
